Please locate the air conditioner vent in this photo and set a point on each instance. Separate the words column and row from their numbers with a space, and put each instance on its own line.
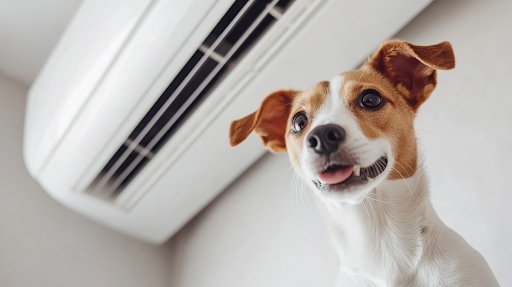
column 243, row 24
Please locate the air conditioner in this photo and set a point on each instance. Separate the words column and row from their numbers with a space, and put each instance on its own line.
column 128, row 121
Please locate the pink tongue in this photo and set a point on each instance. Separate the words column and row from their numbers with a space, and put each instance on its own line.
column 336, row 176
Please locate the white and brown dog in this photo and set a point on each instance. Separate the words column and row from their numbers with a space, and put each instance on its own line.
column 352, row 141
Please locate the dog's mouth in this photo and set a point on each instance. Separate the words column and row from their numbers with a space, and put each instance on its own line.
column 339, row 175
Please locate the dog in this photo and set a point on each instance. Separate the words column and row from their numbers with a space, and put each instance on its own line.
column 352, row 140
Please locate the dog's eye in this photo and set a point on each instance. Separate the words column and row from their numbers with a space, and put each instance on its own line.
column 299, row 122
column 371, row 99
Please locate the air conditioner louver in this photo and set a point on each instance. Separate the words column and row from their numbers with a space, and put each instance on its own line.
column 243, row 24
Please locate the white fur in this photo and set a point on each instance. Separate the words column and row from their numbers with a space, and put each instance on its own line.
column 386, row 232
column 397, row 239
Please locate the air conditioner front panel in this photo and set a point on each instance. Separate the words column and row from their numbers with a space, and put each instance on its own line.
column 321, row 40
column 122, row 96
column 78, row 62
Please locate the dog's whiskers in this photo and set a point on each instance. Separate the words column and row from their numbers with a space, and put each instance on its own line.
column 364, row 71
column 403, row 168
column 412, row 170
column 374, row 217
column 298, row 188
column 281, row 178
column 294, row 188
column 426, row 132
column 366, row 211
column 378, row 200
column 298, row 198
column 302, row 194
column 410, row 189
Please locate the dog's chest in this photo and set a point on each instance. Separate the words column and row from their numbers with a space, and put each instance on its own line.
column 381, row 238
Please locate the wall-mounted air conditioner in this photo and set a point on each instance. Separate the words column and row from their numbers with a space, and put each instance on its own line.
column 128, row 121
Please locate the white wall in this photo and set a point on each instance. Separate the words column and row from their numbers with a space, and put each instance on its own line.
column 44, row 244
column 29, row 31
column 257, row 233
column 260, row 232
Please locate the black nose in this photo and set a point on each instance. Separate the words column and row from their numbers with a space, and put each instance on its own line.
column 326, row 139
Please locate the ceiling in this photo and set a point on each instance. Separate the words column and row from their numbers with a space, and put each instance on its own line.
column 25, row 45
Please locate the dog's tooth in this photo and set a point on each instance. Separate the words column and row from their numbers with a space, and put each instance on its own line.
column 357, row 170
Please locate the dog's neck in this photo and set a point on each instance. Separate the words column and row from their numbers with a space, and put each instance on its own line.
column 386, row 232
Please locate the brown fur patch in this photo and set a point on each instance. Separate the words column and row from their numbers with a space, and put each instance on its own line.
column 270, row 121
column 412, row 69
column 308, row 102
column 404, row 74
column 393, row 122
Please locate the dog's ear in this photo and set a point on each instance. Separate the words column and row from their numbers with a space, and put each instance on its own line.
column 269, row 122
column 412, row 69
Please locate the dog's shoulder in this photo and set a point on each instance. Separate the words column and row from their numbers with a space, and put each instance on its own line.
column 448, row 260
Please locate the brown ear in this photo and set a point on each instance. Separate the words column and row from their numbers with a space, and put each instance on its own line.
column 269, row 122
column 412, row 69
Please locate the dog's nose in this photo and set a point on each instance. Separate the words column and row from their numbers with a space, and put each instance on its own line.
column 326, row 139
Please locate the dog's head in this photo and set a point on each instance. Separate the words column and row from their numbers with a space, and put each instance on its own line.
column 346, row 135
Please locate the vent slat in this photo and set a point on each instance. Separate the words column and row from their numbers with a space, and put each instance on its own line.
column 244, row 22
column 214, row 55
